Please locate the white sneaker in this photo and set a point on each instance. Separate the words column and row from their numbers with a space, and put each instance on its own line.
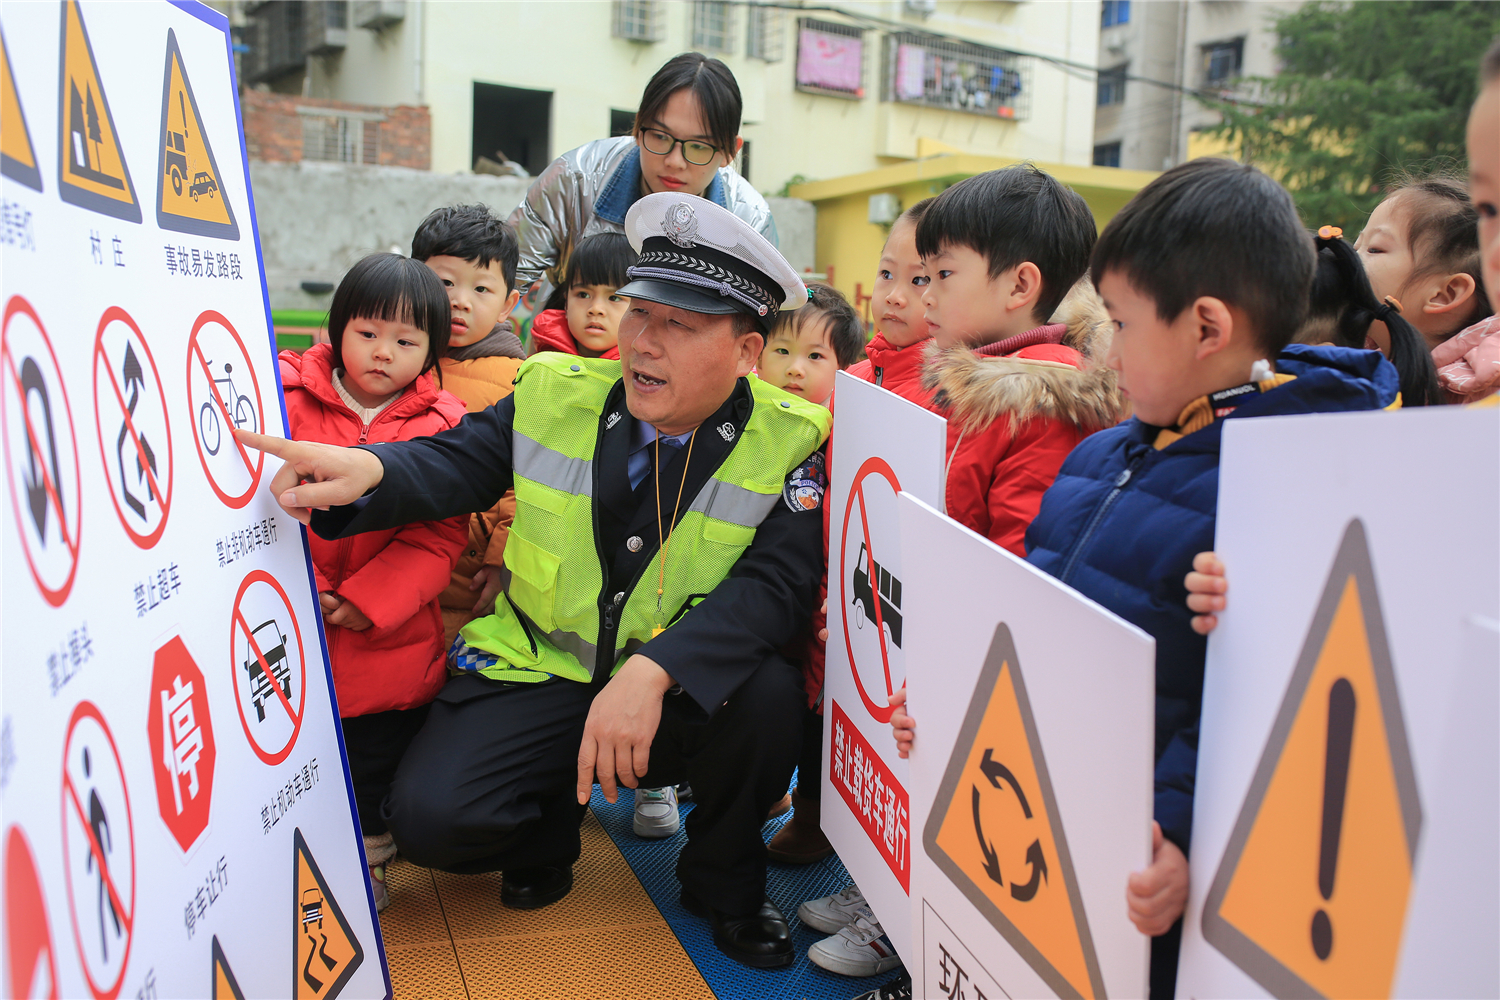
column 832, row 914
column 656, row 812
column 860, row 949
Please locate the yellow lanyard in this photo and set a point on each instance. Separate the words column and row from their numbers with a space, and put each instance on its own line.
column 663, row 541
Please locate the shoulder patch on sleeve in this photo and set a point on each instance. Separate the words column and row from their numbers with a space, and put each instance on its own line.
column 806, row 485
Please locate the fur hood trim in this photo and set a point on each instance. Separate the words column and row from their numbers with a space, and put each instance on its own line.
column 978, row 390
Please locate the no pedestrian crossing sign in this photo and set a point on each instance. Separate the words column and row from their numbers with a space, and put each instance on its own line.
column 174, row 806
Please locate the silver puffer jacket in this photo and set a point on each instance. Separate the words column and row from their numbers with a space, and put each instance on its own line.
column 588, row 190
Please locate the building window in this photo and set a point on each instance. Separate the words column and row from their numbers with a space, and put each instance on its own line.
column 959, row 76
column 1111, row 86
column 830, row 58
column 639, row 20
column 1222, row 62
column 1116, row 12
column 742, row 162
column 512, row 123
column 340, row 137
column 1107, row 155
column 767, row 34
column 713, row 25
column 621, row 122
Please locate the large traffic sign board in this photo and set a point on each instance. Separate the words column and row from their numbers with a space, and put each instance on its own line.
column 1310, row 898
column 135, row 435
column 268, row 662
column 223, row 396
column 41, row 452
column 181, row 733
column 98, row 851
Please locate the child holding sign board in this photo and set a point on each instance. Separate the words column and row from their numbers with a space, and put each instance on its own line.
column 388, row 328
column 1206, row 275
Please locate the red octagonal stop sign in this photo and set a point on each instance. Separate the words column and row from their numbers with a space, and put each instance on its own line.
column 182, row 742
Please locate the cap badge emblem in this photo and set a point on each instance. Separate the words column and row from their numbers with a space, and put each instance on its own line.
column 681, row 225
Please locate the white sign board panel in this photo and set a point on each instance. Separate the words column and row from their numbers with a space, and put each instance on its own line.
column 1346, row 807
column 1031, row 774
column 176, row 813
column 882, row 445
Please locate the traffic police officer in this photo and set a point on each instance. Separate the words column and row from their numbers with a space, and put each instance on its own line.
column 655, row 567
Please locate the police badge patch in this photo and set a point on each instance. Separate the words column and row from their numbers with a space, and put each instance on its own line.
column 806, row 485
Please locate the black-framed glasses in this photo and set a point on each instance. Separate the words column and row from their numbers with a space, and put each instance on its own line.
column 699, row 154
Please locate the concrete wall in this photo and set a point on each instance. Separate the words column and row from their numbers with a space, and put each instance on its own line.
column 317, row 219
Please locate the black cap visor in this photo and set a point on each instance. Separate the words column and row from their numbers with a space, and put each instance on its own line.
column 670, row 293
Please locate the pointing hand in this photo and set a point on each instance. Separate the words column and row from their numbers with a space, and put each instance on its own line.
column 316, row 476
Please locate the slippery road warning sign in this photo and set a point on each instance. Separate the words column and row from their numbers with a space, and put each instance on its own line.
column 135, row 437
column 190, row 196
column 268, row 661
column 224, row 396
column 91, row 170
column 98, row 849
column 41, row 452
column 325, row 950
column 28, row 945
column 994, row 830
column 17, row 154
column 1310, row 898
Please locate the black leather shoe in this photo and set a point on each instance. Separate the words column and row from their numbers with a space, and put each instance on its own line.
column 762, row 940
column 534, row 888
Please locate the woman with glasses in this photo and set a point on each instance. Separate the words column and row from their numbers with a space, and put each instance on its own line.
column 686, row 135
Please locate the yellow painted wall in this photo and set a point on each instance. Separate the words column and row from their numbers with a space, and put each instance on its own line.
column 849, row 244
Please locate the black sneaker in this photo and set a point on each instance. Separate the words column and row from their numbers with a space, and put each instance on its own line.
column 897, row 989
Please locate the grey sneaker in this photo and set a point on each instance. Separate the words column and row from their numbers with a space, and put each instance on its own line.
column 832, row 914
column 860, row 949
column 656, row 812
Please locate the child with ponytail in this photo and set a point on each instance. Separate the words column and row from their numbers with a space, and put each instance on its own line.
column 1345, row 312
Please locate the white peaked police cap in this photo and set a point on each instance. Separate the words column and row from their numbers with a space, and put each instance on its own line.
column 697, row 256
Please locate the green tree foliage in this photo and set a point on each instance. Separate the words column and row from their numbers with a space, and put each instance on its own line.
column 1367, row 90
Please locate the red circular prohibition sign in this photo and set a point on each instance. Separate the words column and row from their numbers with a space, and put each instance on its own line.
column 237, row 622
column 880, row 712
column 197, row 360
column 163, row 499
column 72, row 538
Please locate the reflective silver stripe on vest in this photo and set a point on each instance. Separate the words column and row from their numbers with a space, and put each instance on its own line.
column 535, row 461
column 572, row 643
column 735, row 504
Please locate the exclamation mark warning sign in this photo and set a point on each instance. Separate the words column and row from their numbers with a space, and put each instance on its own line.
column 1310, row 897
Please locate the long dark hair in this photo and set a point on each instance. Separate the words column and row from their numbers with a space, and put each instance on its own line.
column 388, row 286
column 711, row 82
column 1342, row 308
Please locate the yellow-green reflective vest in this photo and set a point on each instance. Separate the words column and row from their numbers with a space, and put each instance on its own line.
column 549, row 622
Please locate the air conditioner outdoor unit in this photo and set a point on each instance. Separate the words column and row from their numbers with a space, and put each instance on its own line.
column 325, row 26
column 378, row 15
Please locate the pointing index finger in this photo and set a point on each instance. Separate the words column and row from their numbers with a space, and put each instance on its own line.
column 263, row 442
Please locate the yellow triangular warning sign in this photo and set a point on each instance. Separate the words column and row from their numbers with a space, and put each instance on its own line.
column 91, row 170
column 1310, row 897
column 190, row 196
column 225, row 986
column 995, row 832
column 17, row 155
column 325, row 951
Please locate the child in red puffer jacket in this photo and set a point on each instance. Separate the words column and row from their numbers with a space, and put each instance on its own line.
column 583, row 315
column 379, row 591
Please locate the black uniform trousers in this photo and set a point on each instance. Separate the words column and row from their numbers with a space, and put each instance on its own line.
column 490, row 782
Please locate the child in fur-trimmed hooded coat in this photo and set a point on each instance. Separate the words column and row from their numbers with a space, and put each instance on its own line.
column 1015, row 409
